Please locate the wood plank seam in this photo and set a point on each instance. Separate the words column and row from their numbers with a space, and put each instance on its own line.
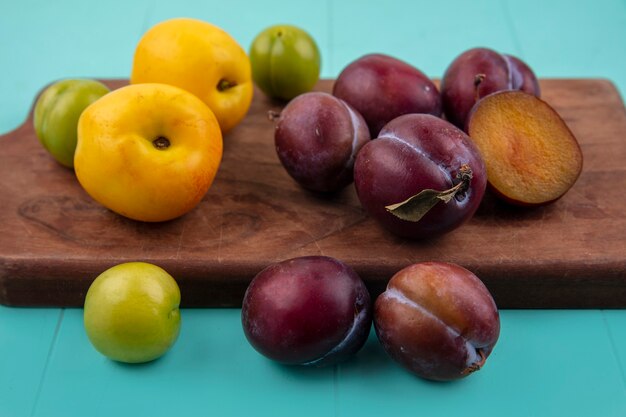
column 44, row 371
column 614, row 350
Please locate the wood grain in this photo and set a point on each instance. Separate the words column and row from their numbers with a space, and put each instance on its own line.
column 54, row 240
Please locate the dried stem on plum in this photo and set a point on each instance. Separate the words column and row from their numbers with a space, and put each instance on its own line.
column 478, row 79
column 415, row 207
column 476, row 365
column 273, row 115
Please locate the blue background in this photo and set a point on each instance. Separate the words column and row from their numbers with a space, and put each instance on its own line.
column 546, row 363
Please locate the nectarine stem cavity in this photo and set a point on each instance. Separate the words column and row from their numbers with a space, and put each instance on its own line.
column 224, row 85
column 415, row 207
column 161, row 143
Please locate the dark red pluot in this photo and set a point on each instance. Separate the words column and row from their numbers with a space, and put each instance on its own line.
column 412, row 153
column 311, row 310
column 317, row 138
column 438, row 320
column 382, row 88
column 477, row 73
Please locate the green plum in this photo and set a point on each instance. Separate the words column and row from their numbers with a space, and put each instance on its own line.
column 131, row 312
column 285, row 61
column 57, row 112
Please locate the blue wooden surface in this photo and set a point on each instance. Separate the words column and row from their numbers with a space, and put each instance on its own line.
column 547, row 363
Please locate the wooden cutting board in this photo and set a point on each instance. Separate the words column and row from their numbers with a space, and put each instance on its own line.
column 54, row 239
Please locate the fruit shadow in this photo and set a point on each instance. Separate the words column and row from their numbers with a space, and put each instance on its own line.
column 132, row 367
column 301, row 374
column 373, row 362
column 493, row 208
column 371, row 359
column 345, row 196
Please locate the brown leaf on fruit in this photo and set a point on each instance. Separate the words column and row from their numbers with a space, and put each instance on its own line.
column 416, row 207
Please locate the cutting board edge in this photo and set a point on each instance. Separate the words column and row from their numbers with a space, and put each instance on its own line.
column 224, row 284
